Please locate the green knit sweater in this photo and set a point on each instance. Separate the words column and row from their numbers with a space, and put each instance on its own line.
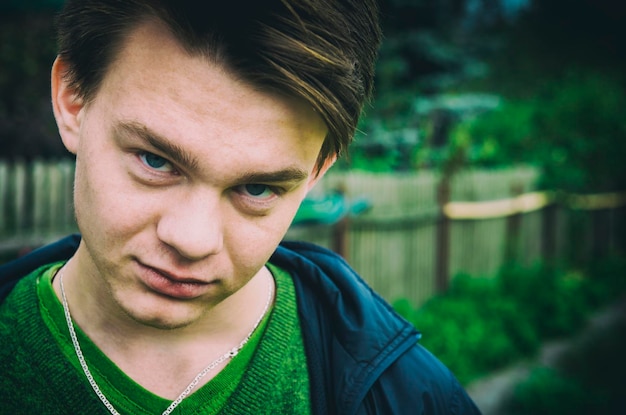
column 39, row 377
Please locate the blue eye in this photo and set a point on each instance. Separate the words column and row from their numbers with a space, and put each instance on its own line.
column 155, row 162
column 258, row 190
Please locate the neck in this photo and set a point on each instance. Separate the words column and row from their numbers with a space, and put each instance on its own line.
column 164, row 361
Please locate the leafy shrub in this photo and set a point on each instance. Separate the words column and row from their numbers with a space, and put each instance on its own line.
column 588, row 378
column 553, row 301
column 607, row 281
column 549, row 392
column 482, row 324
column 473, row 329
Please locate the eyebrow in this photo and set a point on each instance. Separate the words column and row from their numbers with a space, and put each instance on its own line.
column 290, row 174
column 165, row 146
column 182, row 157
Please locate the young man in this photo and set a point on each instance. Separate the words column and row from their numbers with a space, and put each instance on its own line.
column 197, row 133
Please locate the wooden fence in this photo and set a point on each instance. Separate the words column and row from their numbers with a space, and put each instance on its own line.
column 423, row 230
column 35, row 203
column 416, row 235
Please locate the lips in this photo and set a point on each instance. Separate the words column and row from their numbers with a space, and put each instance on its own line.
column 172, row 285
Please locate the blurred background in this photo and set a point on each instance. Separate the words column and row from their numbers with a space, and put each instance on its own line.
column 484, row 195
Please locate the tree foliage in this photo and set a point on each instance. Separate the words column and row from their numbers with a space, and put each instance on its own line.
column 572, row 127
column 559, row 67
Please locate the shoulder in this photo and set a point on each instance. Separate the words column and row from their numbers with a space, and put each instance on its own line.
column 12, row 272
column 17, row 312
column 306, row 254
column 323, row 270
column 418, row 383
column 367, row 356
column 32, row 361
column 20, row 302
column 327, row 286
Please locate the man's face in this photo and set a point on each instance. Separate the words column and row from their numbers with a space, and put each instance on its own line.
column 187, row 179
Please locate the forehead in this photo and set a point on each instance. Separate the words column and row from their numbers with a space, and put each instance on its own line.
column 197, row 103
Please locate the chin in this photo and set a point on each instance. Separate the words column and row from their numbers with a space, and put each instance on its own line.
column 166, row 325
column 162, row 317
column 163, row 323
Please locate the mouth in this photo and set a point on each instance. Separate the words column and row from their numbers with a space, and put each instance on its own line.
column 172, row 285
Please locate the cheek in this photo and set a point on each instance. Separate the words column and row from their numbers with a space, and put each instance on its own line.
column 104, row 203
column 251, row 242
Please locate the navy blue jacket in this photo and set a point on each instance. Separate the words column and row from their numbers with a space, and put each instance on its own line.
column 363, row 357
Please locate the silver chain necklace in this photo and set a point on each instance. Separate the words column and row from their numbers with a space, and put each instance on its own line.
column 228, row 355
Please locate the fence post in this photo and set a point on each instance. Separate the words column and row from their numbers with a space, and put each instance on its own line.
column 600, row 233
column 549, row 232
column 340, row 231
column 513, row 225
column 4, row 197
column 442, row 241
column 19, row 197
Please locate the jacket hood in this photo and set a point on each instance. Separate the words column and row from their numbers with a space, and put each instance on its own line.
column 344, row 320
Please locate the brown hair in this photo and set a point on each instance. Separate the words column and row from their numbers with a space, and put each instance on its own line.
column 322, row 51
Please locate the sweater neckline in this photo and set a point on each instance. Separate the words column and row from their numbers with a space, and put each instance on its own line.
column 256, row 382
column 125, row 394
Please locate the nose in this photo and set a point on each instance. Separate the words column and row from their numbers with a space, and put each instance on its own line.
column 192, row 226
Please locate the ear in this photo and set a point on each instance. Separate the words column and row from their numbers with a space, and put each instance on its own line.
column 67, row 105
column 317, row 176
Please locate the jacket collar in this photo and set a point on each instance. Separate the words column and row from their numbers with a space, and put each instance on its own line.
column 351, row 334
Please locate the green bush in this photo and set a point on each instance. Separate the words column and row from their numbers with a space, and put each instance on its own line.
column 473, row 329
column 607, row 281
column 549, row 392
column 553, row 301
column 482, row 324
column 588, row 378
